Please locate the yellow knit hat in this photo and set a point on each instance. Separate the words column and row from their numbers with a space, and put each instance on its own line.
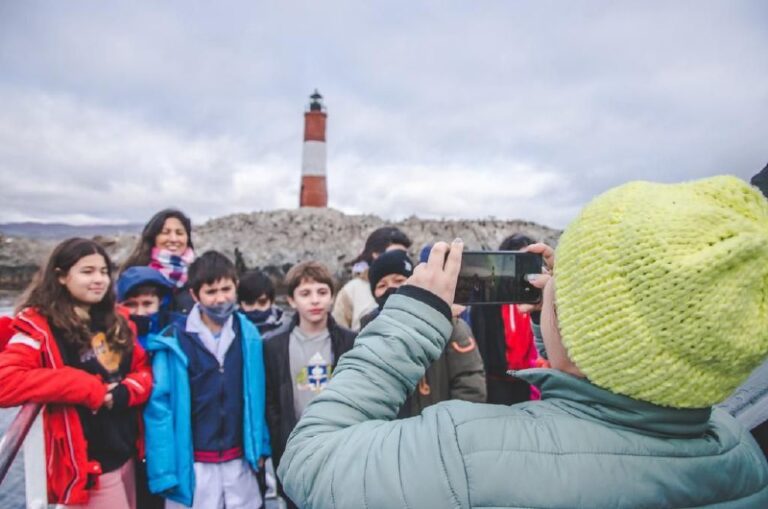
column 662, row 290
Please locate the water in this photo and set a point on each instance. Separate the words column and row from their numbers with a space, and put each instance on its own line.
column 12, row 489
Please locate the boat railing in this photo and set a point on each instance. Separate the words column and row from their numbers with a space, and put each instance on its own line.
column 27, row 430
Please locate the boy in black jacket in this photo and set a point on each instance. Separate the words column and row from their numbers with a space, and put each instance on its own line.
column 300, row 360
column 256, row 295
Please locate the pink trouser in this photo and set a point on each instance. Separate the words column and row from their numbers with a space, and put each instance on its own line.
column 116, row 490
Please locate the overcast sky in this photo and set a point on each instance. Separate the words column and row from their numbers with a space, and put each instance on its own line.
column 112, row 110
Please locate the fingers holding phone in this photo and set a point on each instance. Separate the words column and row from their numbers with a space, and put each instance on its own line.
column 547, row 254
column 539, row 280
column 441, row 271
column 485, row 277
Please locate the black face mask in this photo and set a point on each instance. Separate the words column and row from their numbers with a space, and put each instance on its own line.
column 257, row 316
column 383, row 299
column 146, row 323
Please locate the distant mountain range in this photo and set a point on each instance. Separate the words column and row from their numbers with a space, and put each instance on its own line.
column 57, row 231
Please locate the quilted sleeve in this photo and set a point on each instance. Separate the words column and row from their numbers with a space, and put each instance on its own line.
column 347, row 452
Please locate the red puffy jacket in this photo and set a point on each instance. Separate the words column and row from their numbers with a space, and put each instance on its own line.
column 32, row 370
column 6, row 331
column 521, row 349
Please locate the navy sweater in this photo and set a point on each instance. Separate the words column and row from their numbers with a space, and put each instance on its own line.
column 216, row 397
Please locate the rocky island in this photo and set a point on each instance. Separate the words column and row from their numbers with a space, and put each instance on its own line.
column 275, row 240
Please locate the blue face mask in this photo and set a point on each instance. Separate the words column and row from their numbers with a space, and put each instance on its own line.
column 257, row 316
column 219, row 313
column 146, row 324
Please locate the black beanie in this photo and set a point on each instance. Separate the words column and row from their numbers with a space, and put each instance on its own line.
column 390, row 262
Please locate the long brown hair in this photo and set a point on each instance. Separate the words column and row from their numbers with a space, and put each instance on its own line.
column 55, row 303
column 141, row 254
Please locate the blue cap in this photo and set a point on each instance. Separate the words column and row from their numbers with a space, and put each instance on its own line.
column 139, row 276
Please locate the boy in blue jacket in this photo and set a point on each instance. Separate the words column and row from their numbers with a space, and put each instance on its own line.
column 206, row 431
column 147, row 294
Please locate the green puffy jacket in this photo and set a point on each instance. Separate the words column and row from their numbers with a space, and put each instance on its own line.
column 581, row 446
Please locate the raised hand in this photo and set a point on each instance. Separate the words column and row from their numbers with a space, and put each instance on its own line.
column 440, row 273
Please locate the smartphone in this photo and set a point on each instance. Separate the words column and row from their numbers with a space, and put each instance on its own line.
column 497, row 277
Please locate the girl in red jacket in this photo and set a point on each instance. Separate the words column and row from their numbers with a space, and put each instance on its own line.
column 74, row 351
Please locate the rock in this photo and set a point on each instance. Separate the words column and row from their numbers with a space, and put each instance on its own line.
column 276, row 240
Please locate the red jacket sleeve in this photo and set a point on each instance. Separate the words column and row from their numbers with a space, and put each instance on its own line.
column 6, row 331
column 139, row 380
column 23, row 378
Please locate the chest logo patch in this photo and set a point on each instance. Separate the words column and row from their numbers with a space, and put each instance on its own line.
column 101, row 351
column 315, row 375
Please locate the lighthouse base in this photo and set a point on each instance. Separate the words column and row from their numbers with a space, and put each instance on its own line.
column 313, row 192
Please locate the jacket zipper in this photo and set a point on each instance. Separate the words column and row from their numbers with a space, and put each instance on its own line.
column 71, row 485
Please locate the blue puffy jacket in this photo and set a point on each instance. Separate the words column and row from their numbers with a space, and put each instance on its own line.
column 167, row 416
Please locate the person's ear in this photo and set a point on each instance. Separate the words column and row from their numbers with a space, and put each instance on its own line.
column 557, row 354
column 61, row 277
column 291, row 302
column 194, row 296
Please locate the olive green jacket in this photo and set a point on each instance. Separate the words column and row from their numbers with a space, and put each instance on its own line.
column 580, row 447
column 457, row 374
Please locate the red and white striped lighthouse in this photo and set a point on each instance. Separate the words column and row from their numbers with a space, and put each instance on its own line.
column 314, row 192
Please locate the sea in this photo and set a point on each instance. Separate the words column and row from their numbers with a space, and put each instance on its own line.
column 12, row 488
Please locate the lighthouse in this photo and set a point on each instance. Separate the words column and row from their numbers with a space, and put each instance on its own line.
column 314, row 192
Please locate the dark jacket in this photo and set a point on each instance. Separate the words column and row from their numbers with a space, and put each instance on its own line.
column 457, row 374
column 182, row 301
column 280, row 411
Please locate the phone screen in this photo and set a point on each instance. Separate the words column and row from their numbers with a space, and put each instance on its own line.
column 497, row 277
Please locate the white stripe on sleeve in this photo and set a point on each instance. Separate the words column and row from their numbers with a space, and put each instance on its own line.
column 25, row 340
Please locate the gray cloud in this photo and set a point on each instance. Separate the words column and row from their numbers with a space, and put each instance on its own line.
column 443, row 109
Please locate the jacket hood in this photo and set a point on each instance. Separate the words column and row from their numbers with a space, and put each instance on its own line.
column 166, row 340
column 137, row 276
column 247, row 328
column 592, row 402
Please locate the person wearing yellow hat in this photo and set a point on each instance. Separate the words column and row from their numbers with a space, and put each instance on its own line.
column 657, row 310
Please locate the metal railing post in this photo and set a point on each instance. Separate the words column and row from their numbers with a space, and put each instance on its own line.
column 18, row 433
column 34, row 466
